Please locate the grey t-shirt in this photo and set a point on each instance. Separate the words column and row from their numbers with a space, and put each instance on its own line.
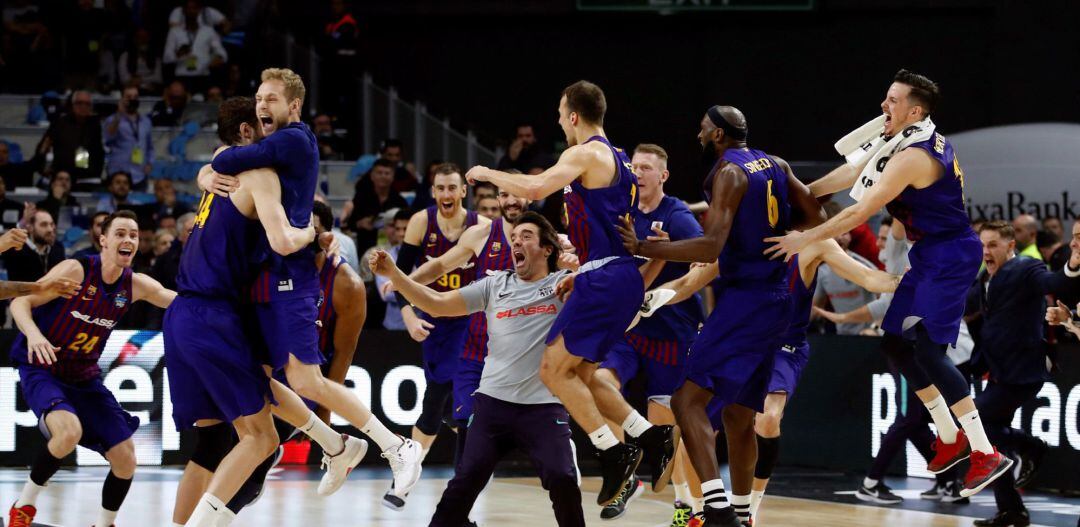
column 519, row 316
column 844, row 295
column 895, row 257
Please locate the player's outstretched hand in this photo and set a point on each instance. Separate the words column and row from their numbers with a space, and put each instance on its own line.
column 59, row 286
column 1059, row 314
column 380, row 262
column 13, row 239
column 786, row 246
column 477, row 174
column 565, row 287
column 629, row 237
column 42, row 350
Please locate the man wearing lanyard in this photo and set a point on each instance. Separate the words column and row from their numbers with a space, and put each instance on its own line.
column 129, row 141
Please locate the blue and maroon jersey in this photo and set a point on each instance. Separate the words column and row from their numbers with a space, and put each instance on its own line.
column 327, row 316
column 495, row 256
column 435, row 245
column 763, row 212
column 593, row 213
column 80, row 325
column 664, row 351
column 936, row 211
column 802, row 297
column 217, row 261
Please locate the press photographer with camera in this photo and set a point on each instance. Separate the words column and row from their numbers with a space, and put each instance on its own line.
column 129, row 141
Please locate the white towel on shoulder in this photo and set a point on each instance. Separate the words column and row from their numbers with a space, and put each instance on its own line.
column 869, row 142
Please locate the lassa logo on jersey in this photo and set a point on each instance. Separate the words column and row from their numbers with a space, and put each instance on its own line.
column 103, row 322
column 549, row 309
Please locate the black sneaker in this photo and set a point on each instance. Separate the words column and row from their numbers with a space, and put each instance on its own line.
column 880, row 493
column 1030, row 463
column 933, row 493
column 658, row 445
column 952, row 494
column 392, row 501
column 1006, row 519
column 617, row 466
column 470, row 523
column 617, row 508
column 725, row 517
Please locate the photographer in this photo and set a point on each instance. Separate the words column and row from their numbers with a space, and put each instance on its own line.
column 129, row 140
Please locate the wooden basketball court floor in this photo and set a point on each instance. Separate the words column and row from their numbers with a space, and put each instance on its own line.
column 73, row 498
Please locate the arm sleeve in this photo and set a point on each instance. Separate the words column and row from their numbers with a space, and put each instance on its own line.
column 476, row 294
column 265, row 153
column 1050, row 282
column 406, row 260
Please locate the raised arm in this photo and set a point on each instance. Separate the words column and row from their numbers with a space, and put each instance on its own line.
column 808, row 212
column 448, row 304
column 1055, row 283
column 851, row 270
column 266, row 193
column 574, row 162
column 146, row 288
column 840, row 178
column 262, row 154
column 470, row 244
column 729, row 186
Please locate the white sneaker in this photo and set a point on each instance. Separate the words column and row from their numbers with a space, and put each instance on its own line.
column 404, row 461
column 339, row 465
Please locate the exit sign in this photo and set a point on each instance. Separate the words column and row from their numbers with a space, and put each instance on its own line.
column 695, row 5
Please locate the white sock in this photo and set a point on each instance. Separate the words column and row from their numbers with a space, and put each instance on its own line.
column 635, row 424
column 741, row 503
column 755, row 501
column 105, row 518
column 381, row 435
column 603, row 438
column 973, row 427
column 29, row 494
column 331, row 442
column 697, row 505
column 682, row 493
column 869, row 483
column 210, row 512
column 943, row 419
column 714, row 496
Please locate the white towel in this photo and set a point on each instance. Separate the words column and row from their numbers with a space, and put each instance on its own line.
column 869, row 141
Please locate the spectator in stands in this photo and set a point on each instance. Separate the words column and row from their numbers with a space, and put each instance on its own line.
column 40, row 253
column 395, row 234
column 129, row 138
column 374, row 195
column 340, row 34
column 83, row 32
column 170, row 109
column 1054, row 225
column 119, row 26
column 393, row 150
column 165, row 204
column 423, row 198
column 484, row 189
column 1026, row 228
column 844, row 295
column 167, row 265
column 525, row 153
column 28, row 48
column 18, row 174
column 331, row 144
column 338, row 50
column 11, row 211
column 119, row 186
column 163, row 241
column 1054, row 250
column 192, row 50
column 204, row 16
column 863, row 241
column 59, row 194
column 96, row 221
column 488, row 207
column 75, row 140
column 348, row 245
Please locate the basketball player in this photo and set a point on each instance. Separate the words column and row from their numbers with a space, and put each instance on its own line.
column 513, row 408
column 57, row 355
column 600, row 188
column 658, row 345
column 751, row 195
column 923, row 187
column 794, row 351
column 287, row 291
column 438, row 228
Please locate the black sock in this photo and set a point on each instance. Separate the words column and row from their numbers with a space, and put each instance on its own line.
column 768, row 451
column 45, row 465
column 252, row 487
column 114, row 491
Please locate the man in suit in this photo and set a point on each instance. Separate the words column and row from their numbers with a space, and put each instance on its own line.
column 1010, row 293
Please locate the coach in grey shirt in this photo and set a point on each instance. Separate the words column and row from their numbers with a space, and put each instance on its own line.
column 512, row 407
